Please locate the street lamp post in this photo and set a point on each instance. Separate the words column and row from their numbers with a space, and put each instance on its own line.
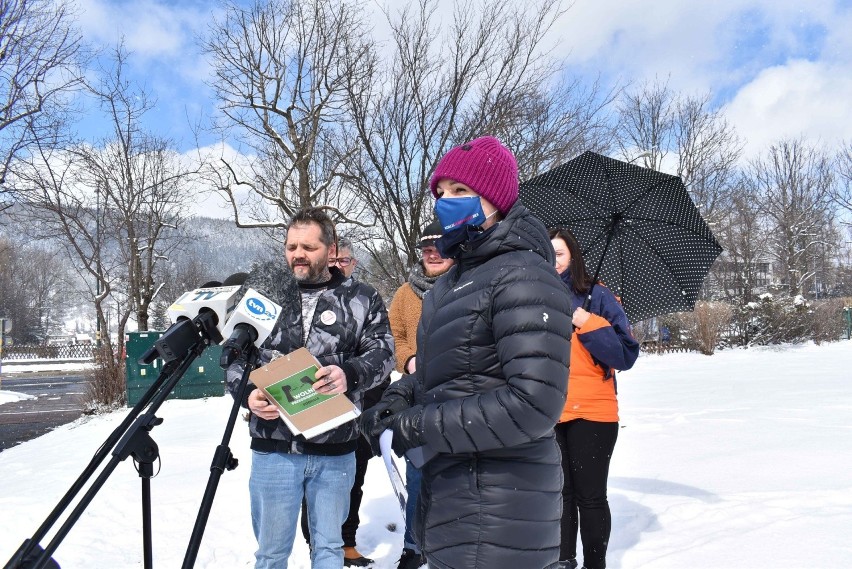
column 98, row 262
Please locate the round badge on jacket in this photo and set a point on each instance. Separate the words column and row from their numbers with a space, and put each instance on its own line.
column 328, row 318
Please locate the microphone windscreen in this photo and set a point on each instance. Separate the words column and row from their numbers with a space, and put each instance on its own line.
column 236, row 279
column 275, row 280
column 211, row 284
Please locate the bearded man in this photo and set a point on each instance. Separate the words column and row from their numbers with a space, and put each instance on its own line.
column 343, row 323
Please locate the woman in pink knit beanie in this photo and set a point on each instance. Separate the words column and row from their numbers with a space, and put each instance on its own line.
column 486, row 166
column 491, row 376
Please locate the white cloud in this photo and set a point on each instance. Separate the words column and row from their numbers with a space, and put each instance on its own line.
column 210, row 203
column 784, row 67
column 781, row 65
column 634, row 32
column 801, row 98
column 151, row 29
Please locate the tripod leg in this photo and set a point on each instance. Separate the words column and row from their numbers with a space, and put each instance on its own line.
column 120, row 438
column 146, row 472
column 222, row 460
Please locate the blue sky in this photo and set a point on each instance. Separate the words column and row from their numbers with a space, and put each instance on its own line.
column 781, row 68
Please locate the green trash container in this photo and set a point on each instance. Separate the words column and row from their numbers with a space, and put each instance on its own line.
column 204, row 378
column 847, row 315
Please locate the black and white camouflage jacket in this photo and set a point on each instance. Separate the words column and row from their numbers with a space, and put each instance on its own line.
column 350, row 329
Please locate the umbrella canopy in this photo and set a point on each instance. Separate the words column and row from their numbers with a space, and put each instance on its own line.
column 638, row 228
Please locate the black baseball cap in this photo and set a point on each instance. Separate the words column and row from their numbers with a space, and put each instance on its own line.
column 429, row 234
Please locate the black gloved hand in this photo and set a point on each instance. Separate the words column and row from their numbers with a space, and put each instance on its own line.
column 407, row 428
column 370, row 421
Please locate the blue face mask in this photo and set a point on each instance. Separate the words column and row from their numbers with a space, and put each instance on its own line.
column 453, row 213
column 461, row 220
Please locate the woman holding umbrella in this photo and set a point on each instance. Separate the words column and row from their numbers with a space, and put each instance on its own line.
column 492, row 367
column 587, row 430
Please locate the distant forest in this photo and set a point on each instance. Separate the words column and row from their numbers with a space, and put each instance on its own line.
column 41, row 288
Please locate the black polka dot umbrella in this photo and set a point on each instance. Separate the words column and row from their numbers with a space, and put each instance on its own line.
column 639, row 230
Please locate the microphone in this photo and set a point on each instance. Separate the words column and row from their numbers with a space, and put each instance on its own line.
column 252, row 323
column 198, row 315
column 211, row 297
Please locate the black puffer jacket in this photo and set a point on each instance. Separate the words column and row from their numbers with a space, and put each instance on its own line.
column 492, row 369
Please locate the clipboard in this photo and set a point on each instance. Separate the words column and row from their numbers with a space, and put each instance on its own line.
column 287, row 381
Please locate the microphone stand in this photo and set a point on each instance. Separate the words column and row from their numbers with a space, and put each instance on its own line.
column 223, row 460
column 130, row 438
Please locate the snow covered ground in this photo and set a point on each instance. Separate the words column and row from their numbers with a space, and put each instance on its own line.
column 12, row 367
column 31, row 366
column 10, row 396
column 739, row 460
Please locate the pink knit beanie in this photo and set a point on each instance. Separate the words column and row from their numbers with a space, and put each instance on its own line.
column 486, row 166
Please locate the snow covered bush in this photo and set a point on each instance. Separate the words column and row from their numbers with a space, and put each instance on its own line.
column 776, row 319
column 827, row 320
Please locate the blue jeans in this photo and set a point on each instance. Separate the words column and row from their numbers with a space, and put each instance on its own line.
column 412, row 487
column 277, row 484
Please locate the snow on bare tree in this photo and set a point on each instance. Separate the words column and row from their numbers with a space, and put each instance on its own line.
column 792, row 182
column 142, row 182
column 115, row 206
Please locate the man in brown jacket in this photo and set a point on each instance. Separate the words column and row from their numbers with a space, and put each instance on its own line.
column 404, row 311
column 404, row 315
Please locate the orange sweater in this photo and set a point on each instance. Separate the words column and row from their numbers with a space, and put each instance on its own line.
column 404, row 317
column 591, row 395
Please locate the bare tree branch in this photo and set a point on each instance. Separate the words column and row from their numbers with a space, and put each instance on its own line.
column 841, row 192
column 792, row 183
column 280, row 83
column 485, row 72
column 40, row 63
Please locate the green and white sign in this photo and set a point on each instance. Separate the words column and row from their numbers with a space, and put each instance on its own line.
column 295, row 394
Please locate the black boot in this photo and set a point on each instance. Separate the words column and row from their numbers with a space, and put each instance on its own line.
column 352, row 558
column 411, row 560
column 567, row 564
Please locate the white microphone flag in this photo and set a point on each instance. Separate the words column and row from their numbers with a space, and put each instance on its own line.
column 222, row 300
